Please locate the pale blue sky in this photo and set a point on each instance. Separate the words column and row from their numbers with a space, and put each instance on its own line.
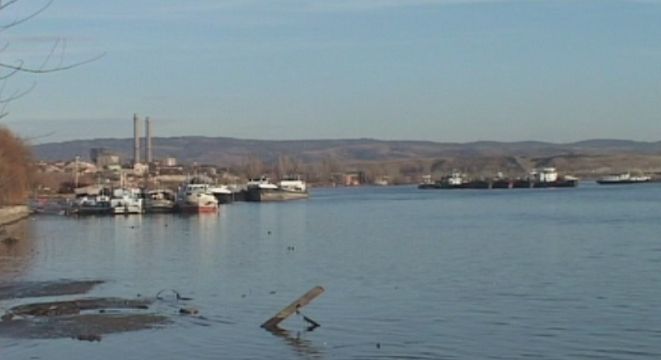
column 440, row 70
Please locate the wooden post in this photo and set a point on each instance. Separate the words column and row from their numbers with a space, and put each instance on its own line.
column 273, row 322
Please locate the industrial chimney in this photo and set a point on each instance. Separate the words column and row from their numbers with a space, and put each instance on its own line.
column 136, row 139
column 149, row 156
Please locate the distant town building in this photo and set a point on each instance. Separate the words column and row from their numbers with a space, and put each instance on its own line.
column 140, row 169
column 107, row 160
column 170, row 161
column 96, row 152
column 104, row 158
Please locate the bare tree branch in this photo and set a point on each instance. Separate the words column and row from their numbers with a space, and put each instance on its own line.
column 22, row 20
column 4, row 77
column 54, row 69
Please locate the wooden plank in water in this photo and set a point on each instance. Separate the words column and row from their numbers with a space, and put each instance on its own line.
column 273, row 322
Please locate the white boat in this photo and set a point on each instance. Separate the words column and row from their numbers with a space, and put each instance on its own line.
column 91, row 201
column 223, row 194
column 126, row 201
column 262, row 183
column 289, row 188
column 159, row 200
column 456, row 180
column 624, row 178
column 195, row 196
column 293, row 184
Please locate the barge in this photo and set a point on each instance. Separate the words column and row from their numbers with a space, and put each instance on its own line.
column 542, row 178
column 624, row 178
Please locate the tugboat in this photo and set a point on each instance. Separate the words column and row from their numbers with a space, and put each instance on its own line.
column 624, row 178
column 545, row 178
column 454, row 181
column 549, row 178
column 427, row 183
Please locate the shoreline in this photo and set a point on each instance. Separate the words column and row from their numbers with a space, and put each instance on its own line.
column 12, row 214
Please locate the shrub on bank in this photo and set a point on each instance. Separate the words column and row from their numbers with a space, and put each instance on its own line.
column 15, row 168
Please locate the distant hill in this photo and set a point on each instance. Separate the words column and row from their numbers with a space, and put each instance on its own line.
column 231, row 151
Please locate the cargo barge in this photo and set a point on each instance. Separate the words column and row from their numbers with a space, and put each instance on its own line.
column 543, row 178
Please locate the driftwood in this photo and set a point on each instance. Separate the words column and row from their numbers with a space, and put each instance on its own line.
column 272, row 323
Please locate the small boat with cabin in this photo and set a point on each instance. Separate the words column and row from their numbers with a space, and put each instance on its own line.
column 195, row 196
column 223, row 194
column 126, row 201
column 160, row 200
column 91, row 200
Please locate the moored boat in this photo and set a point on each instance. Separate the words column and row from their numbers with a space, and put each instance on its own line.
column 427, row 183
column 624, row 178
column 289, row 188
column 455, row 181
column 159, row 201
column 223, row 194
column 126, row 201
column 92, row 200
column 543, row 178
column 549, row 178
column 195, row 196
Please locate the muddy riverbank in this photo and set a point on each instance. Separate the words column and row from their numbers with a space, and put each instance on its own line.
column 11, row 214
column 86, row 319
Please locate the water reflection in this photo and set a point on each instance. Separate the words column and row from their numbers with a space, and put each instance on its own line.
column 16, row 254
column 301, row 347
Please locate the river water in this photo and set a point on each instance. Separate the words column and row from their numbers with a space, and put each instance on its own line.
column 409, row 274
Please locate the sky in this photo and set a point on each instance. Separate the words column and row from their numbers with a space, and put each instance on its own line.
column 439, row 70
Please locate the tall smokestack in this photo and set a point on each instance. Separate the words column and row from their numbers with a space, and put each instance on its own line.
column 136, row 139
column 149, row 158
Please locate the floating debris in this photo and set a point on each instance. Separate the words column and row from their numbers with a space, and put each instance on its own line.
column 88, row 337
column 272, row 323
column 189, row 311
column 178, row 296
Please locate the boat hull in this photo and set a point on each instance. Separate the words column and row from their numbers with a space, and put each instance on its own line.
column 91, row 210
column 264, row 195
column 224, row 198
column 621, row 182
column 159, row 206
column 502, row 184
column 198, row 209
column 127, row 209
column 198, row 203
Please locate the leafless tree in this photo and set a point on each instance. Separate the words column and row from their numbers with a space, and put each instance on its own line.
column 16, row 170
column 54, row 61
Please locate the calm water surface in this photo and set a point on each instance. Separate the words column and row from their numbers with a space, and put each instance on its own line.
column 512, row 274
